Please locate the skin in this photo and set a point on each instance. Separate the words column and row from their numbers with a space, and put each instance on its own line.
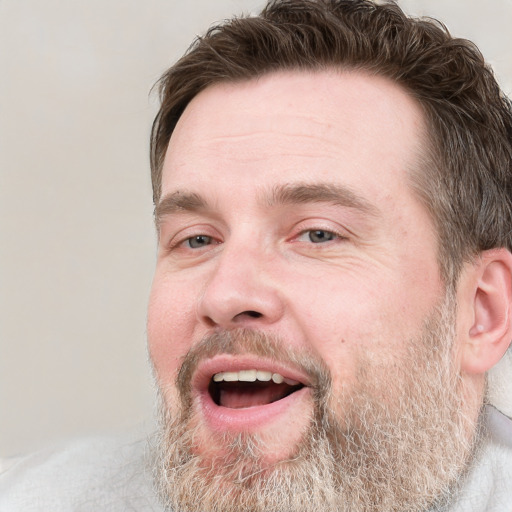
column 363, row 287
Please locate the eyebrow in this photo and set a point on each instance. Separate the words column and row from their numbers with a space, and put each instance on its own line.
column 179, row 201
column 304, row 193
column 287, row 194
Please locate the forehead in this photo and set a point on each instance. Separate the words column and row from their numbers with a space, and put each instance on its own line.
column 361, row 130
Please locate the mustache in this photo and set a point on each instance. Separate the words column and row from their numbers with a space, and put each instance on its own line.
column 257, row 343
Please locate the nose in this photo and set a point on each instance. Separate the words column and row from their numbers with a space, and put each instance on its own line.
column 241, row 291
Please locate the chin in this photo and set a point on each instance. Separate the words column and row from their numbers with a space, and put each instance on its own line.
column 260, row 447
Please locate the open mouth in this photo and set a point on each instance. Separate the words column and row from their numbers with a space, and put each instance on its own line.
column 250, row 388
column 248, row 393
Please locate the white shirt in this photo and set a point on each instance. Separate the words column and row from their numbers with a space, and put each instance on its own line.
column 103, row 475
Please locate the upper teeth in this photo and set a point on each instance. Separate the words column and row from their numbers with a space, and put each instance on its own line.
column 252, row 376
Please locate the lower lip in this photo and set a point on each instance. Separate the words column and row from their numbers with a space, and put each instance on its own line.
column 251, row 418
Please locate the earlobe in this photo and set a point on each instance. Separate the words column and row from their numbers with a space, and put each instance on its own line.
column 490, row 331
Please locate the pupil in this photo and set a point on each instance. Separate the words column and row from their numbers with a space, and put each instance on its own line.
column 320, row 236
column 199, row 241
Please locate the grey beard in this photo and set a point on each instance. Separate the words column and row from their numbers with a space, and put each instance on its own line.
column 398, row 441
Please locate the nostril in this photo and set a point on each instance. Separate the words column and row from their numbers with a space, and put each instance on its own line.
column 252, row 314
column 240, row 317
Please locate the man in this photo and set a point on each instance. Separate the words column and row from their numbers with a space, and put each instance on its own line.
column 332, row 197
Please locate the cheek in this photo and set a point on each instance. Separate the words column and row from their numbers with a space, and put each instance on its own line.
column 169, row 328
column 356, row 319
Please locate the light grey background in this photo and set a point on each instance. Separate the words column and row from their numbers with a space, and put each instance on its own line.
column 76, row 236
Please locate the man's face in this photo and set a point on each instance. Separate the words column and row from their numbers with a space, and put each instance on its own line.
column 291, row 248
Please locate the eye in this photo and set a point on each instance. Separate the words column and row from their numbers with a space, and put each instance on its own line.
column 318, row 236
column 198, row 241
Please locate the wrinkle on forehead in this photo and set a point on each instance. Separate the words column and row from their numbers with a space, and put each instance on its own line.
column 299, row 114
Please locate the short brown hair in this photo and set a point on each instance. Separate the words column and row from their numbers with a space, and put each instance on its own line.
column 465, row 179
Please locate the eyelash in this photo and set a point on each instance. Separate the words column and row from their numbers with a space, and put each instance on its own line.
column 196, row 237
column 335, row 235
column 211, row 240
column 185, row 243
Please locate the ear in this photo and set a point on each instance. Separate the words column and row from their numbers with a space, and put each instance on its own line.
column 487, row 331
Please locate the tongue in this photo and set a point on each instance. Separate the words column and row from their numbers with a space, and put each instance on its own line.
column 239, row 395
